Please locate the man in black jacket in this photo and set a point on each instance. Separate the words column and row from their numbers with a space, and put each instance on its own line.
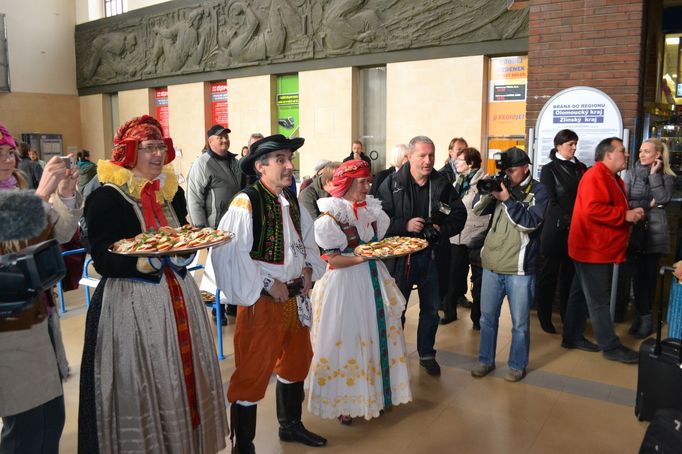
column 412, row 197
column 358, row 153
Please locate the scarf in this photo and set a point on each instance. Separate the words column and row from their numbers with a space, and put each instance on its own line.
column 151, row 209
column 10, row 183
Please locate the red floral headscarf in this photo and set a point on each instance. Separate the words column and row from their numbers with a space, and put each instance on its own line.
column 131, row 133
column 346, row 173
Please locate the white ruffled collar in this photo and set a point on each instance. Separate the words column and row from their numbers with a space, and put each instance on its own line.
column 342, row 209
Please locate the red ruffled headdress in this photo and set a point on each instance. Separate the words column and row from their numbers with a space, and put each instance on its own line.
column 344, row 176
column 131, row 133
column 346, row 173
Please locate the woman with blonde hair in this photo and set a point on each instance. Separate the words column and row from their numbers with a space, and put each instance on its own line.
column 649, row 185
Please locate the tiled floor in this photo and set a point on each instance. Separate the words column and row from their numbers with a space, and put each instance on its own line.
column 570, row 402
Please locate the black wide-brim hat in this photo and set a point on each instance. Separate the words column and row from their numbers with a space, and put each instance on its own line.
column 267, row 145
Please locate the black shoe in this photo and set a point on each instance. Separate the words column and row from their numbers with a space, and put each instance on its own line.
column 449, row 312
column 581, row 344
column 298, row 433
column 622, row 354
column 464, row 302
column 645, row 328
column 223, row 317
column 547, row 325
column 431, row 366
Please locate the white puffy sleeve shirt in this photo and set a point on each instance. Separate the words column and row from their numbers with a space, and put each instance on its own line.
column 238, row 275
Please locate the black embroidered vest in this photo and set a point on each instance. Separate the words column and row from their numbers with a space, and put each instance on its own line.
column 268, row 241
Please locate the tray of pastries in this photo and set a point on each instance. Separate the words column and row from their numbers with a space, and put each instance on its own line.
column 394, row 246
column 171, row 241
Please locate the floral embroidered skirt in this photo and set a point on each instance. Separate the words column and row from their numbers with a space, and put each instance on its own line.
column 349, row 332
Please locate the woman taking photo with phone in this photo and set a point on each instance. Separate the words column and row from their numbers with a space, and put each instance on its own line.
column 649, row 186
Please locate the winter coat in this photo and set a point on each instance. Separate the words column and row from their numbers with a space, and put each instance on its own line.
column 309, row 196
column 379, row 178
column 561, row 177
column 396, row 198
column 448, row 172
column 34, row 360
column 643, row 187
column 211, row 183
column 512, row 243
column 475, row 228
column 599, row 231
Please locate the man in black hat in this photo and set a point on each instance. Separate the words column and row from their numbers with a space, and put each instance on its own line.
column 508, row 258
column 268, row 271
column 213, row 180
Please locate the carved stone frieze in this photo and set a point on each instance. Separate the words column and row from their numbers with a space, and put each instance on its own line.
column 184, row 37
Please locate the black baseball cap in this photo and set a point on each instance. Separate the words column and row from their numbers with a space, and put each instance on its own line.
column 216, row 130
column 517, row 157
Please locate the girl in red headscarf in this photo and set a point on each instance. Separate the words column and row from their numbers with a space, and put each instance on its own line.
column 359, row 366
column 150, row 380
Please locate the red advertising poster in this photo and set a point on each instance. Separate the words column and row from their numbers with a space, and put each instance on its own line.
column 162, row 113
column 219, row 103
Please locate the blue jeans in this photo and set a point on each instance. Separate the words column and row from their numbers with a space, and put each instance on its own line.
column 519, row 291
column 591, row 293
column 423, row 272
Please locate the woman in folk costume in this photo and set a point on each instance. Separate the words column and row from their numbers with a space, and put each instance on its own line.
column 150, row 380
column 359, row 366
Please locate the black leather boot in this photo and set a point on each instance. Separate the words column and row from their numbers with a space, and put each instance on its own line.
column 289, row 407
column 243, row 430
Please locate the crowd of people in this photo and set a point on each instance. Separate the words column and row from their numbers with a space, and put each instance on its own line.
column 308, row 309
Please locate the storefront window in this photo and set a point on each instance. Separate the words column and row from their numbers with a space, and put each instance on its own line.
column 507, row 90
column 671, row 83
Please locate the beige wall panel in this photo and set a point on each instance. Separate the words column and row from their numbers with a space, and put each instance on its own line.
column 42, row 52
column 187, row 122
column 440, row 98
column 326, row 114
column 249, row 108
column 95, row 113
column 43, row 113
column 133, row 103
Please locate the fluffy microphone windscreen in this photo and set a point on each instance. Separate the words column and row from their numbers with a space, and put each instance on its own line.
column 22, row 215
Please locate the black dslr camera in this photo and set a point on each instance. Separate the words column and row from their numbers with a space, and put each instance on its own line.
column 488, row 185
column 437, row 217
column 27, row 273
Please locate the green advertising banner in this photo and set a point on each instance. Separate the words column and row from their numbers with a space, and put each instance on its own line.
column 287, row 105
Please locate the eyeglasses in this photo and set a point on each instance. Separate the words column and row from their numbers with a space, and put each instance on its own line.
column 152, row 147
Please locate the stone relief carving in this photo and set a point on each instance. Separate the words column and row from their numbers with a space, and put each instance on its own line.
column 224, row 34
column 177, row 43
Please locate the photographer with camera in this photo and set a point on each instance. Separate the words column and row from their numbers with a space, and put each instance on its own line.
column 32, row 358
column 517, row 203
column 421, row 203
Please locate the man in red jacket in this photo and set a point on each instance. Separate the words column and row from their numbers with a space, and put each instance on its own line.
column 597, row 239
